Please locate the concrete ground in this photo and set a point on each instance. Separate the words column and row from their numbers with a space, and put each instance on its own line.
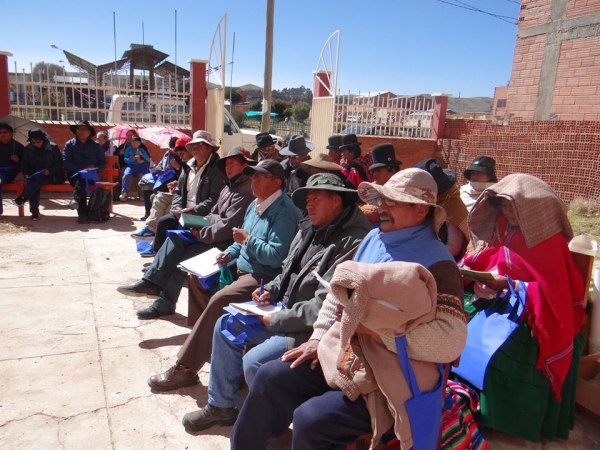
column 74, row 358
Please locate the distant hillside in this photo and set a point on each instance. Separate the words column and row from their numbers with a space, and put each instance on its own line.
column 251, row 87
column 470, row 104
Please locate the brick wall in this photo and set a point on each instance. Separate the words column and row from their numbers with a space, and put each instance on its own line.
column 525, row 76
column 565, row 154
column 408, row 150
column 579, row 8
column 61, row 133
column 534, row 12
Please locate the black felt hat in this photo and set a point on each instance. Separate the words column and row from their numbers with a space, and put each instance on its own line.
column 384, row 156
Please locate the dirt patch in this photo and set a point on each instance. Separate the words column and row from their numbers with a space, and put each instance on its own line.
column 11, row 228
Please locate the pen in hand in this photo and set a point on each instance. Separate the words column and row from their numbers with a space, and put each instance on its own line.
column 262, row 284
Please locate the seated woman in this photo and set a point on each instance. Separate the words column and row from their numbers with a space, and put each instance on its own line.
column 42, row 164
column 529, row 385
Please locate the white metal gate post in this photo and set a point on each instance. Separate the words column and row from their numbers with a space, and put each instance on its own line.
column 325, row 88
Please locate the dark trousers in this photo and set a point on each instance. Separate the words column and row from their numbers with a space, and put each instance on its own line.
column 323, row 418
column 6, row 176
column 80, row 192
column 33, row 187
column 164, row 272
column 197, row 348
column 165, row 223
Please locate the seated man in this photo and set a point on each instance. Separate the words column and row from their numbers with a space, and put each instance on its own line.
column 323, row 417
column 197, row 189
column 11, row 153
column 297, row 151
column 260, row 247
column 384, row 166
column 330, row 235
column 162, row 201
column 266, row 148
column 82, row 152
column 163, row 278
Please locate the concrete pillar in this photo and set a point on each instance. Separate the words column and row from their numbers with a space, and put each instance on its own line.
column 4, row 86
column 321, row 84
column 438, row 121
column 198, row 94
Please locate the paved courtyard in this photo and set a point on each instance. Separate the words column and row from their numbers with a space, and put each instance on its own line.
column 75, row 358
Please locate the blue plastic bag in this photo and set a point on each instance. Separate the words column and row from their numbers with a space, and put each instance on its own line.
column 487, row 331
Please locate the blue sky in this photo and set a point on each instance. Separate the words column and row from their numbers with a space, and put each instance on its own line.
column 407, row 47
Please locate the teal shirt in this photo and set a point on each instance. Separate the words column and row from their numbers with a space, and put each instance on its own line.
column 270, row 237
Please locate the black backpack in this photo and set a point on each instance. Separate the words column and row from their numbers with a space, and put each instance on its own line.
column 99, row 205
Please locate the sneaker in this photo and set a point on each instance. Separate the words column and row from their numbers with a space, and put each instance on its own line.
column 123, row 196
column 209, row 416
column 19, row 200
column 35, row 216
column 176, row 377
column 151, row 312
column 140, row 289
column 74, row 203
column 143, row 235
column 148, row 253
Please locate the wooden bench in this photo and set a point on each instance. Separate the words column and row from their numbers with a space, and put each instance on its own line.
column 109, row 177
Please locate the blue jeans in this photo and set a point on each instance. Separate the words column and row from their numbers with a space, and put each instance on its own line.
column 227, row 360
column 6, row 176
column 130, row 171
column 32, row 189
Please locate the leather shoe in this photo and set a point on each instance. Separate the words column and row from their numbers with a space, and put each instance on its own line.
column 209, row 416
column 140, row 289
column 176, row 377
column 152, row 313
column 83, row 219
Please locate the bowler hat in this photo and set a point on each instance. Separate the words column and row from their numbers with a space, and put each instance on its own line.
column 265, row 140
column 384, row 156
column 83, row 123
column 326, row 182
column 236, row 152
column 444, row 179
column 483, row 164
column 267, row 166
column 350, row 142
column 334, row 143
column 297, row 146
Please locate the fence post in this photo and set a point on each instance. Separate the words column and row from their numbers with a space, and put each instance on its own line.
column 198, row 94
column 4, row 86
column 438, row 121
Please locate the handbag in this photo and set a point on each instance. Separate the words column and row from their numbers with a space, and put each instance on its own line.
column 487, row 331
column 225, row 276
column 424, row 408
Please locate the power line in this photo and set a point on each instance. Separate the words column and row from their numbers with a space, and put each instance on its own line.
column 472, row 8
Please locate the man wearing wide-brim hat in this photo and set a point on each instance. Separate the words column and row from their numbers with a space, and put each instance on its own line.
column 322, row 410
column 266, row 148
column 322, row 163
column 80, row 153
column 296, row 152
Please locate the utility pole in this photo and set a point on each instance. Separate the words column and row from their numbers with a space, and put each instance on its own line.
column 266, row 108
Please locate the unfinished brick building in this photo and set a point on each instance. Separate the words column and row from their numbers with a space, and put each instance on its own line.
column 556, row 66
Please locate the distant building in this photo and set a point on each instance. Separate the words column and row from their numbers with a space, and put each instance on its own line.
column 556, row 65
column 499, row 110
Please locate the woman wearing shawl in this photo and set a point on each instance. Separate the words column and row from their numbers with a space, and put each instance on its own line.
column 529, row 386
column 456, row 233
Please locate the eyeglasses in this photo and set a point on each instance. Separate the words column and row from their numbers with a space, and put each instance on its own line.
column 387, row 202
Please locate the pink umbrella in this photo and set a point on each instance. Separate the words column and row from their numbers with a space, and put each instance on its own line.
column 160, row 135
column 118, row 133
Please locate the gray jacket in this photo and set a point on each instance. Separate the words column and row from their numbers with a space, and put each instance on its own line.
column 209, row 188
column 342, row 238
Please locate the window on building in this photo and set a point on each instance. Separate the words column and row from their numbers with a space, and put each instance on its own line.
column 501, row 103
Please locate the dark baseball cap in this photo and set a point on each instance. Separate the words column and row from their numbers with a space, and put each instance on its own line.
column 267, row 166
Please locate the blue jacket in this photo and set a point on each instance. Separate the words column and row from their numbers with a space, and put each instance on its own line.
column 77, row 156
column 270, row 237
column 130, row 156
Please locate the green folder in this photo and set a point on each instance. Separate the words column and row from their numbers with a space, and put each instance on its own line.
column 193, row 221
